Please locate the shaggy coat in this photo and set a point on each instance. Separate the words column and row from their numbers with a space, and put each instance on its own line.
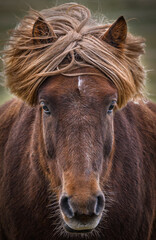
column 28, row 206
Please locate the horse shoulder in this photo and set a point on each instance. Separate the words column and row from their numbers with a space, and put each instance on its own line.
column 8, row 114
column 15, row 120
column 134, row 163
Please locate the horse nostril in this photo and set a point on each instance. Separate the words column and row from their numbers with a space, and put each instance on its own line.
column 99, row 206
column 66, row 207
column 94, row 206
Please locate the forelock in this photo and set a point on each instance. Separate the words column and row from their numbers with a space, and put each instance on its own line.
column 78, row 44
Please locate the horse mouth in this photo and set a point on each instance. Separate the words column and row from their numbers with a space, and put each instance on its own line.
column 75, row 226
column 71, row 230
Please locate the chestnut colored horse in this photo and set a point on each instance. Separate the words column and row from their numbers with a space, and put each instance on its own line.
column 77, row 151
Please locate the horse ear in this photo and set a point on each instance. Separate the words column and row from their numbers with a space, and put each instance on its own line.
column 117, row 33
column 42, row 32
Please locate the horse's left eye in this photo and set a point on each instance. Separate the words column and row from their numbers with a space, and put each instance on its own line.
column 45, row 108
column 111, row 107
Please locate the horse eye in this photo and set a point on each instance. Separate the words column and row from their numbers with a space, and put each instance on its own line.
column 111, row 107
column 45, row 108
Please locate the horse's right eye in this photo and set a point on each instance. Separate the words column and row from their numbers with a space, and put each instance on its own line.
column 45, row 108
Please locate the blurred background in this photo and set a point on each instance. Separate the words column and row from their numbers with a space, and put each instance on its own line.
column 140, row 14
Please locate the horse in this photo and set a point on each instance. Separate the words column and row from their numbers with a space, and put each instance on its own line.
column 78, row 140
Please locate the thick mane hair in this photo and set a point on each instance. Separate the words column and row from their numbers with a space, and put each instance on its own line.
column 69, row 38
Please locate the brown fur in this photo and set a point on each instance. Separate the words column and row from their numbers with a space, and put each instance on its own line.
column 79, row 164
column 36, row 170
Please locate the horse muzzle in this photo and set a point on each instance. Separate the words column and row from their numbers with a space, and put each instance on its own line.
column 81, row 216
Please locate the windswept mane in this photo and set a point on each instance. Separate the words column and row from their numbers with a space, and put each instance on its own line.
column 72, row 39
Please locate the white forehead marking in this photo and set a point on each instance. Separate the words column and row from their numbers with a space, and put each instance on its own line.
column 136, row 102
column 80, row 82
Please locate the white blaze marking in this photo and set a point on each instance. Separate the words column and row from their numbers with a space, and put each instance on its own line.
column 135, row 102
column 80, row 83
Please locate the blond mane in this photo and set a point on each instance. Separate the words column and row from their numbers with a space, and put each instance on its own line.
column 75, row 42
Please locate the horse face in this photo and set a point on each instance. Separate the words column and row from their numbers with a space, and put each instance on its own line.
column 77, row 118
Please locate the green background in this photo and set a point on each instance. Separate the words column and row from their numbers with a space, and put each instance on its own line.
column 140, row 14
